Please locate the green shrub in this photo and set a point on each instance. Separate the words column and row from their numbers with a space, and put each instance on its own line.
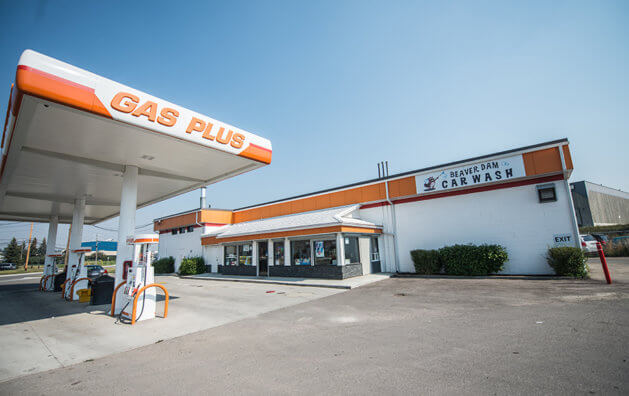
column 568, row 261
column 473, row 260
column 427, row 262
column 494, row 256
column 192, row 266
column 164, row 265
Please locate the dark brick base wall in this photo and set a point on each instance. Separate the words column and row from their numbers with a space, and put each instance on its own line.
column 298, row 271
column 237, row 270
column 317, row 271
column 352, row 270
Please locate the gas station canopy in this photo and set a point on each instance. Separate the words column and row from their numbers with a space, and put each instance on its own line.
column 70, row 134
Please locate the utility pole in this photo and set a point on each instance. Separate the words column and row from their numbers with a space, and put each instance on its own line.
column 96, row 249
column 28, row 250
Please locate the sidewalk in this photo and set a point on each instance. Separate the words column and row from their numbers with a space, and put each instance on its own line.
column 349, row 283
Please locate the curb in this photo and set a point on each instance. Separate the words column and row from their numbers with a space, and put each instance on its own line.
column 21, row 273
column 512, row 277
column 269, row 282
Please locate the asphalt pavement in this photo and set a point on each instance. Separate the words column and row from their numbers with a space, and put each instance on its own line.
column 397, row 336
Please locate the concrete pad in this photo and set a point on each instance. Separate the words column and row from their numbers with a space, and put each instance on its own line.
column 40, row 331
column 349, row 283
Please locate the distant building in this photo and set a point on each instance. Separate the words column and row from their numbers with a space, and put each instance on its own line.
column 108, row 248
column 597, row 205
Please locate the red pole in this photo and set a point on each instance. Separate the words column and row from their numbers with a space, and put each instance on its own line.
column 603, row 262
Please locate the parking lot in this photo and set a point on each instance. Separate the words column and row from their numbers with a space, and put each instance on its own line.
column 396, row 336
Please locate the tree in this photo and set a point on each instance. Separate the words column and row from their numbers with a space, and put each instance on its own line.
column 41, row 252
column 12, row 252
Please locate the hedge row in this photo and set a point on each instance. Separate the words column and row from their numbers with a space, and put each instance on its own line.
column 192, row 266
column 489, row 259
column 460, row 260
column 164, row 265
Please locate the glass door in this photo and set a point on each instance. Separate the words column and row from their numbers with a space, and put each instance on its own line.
column 263, row 258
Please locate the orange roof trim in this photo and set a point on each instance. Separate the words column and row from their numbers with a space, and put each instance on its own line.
column 35, row 82
column 257, row 153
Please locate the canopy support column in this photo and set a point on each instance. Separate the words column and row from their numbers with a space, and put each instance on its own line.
column 254, row 257
column 126, row 222
column 76, row 235
column 287, row 258
column 270, row 253
column 340, row 249
column 49, row 262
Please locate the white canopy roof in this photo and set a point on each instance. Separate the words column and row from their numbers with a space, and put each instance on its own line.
column 345, row 215
column 70, row 133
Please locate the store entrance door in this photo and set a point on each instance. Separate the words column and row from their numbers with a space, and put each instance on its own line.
column 263, row 258
column 375, row 256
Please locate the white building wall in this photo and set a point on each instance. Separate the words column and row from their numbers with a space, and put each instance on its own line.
column 512, row 217
column 213, row 256
column 184, row 245
column 381, row 215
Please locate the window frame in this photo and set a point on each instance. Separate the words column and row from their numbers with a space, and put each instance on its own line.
column 282, row 261
column 345, row 250
column 333, row 259
column 225, row 255
column 292, row 252
column 541, row 189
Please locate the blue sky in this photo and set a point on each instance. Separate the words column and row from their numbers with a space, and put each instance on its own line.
column 339, row 85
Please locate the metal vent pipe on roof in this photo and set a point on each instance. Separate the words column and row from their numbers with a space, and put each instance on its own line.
column 202, row 203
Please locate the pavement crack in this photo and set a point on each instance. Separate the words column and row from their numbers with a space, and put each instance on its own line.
column 45, row 345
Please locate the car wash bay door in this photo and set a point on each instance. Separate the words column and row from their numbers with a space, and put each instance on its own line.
column 263, row 258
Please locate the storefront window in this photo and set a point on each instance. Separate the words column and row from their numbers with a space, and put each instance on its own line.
column 351, row 250
column 244, row 254
column 301, row 252
column 325, row 252
column 231, row 255
column 278, row 253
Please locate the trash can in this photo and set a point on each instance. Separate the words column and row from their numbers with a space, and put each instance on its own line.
column 59, row 279
column 102, row 290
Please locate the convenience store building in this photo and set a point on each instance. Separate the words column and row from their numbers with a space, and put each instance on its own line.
column 518, row 198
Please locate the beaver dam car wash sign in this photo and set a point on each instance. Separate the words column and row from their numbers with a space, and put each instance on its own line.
column 475, row 174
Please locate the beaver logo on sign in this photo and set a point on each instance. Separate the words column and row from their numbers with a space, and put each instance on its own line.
column 429, row 183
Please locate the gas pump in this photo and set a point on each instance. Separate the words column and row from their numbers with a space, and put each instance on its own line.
column 50, row 270
column 139, row 275
column 76, row 272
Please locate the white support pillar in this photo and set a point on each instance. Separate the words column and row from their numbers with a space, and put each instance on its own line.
column 340, row 249
column 287, row 258
column 49, row 262
column 126, row 222
column 254, row 257
column 76, row 235
column 271, row 253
